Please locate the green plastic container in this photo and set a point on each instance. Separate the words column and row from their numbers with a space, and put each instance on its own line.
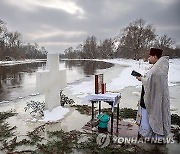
column 103, row 120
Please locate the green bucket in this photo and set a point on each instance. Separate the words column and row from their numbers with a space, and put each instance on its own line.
column 103, row 120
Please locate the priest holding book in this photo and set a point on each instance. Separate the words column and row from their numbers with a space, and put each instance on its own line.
column 153, row 117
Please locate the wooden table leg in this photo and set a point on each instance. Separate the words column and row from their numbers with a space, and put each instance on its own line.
column 117, row 117
column 92, row 120
column 92, row 110
column 112, row 117
column 99, row 107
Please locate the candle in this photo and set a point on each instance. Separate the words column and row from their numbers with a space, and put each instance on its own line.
column 103, row 88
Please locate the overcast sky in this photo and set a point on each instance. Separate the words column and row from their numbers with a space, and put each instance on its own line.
column 59, row 24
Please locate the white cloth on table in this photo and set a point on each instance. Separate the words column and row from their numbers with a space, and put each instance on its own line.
column 107, row 97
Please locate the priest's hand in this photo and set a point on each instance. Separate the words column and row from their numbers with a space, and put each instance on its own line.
column 139, row 78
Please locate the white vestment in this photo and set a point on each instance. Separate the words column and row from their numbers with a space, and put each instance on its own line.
column 156, row 98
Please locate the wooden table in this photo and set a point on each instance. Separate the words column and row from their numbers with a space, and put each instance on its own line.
column 112, row 99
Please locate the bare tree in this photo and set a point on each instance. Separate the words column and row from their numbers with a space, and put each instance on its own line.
column 90, row 47
column 13, row 43
column 164, row 41
column 136, row 38
column 3, row 34
column 106, row 49
column 14, row 39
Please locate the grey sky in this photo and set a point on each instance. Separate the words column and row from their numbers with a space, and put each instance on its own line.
column 59, row 24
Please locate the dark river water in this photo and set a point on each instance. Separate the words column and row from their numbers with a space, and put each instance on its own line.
column 20, row 80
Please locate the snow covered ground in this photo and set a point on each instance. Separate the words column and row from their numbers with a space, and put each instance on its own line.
column 8, row 63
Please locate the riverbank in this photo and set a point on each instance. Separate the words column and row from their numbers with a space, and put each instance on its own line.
column 17, row 62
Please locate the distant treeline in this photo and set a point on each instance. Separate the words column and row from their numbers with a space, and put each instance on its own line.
column 12, row 46
column 133, row 42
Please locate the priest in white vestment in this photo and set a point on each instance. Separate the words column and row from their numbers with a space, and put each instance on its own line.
column 153, row 115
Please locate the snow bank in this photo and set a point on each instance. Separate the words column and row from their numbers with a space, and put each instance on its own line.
column 174, row 71
column 56, row 114
column 26, row 61
column 126, row 80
